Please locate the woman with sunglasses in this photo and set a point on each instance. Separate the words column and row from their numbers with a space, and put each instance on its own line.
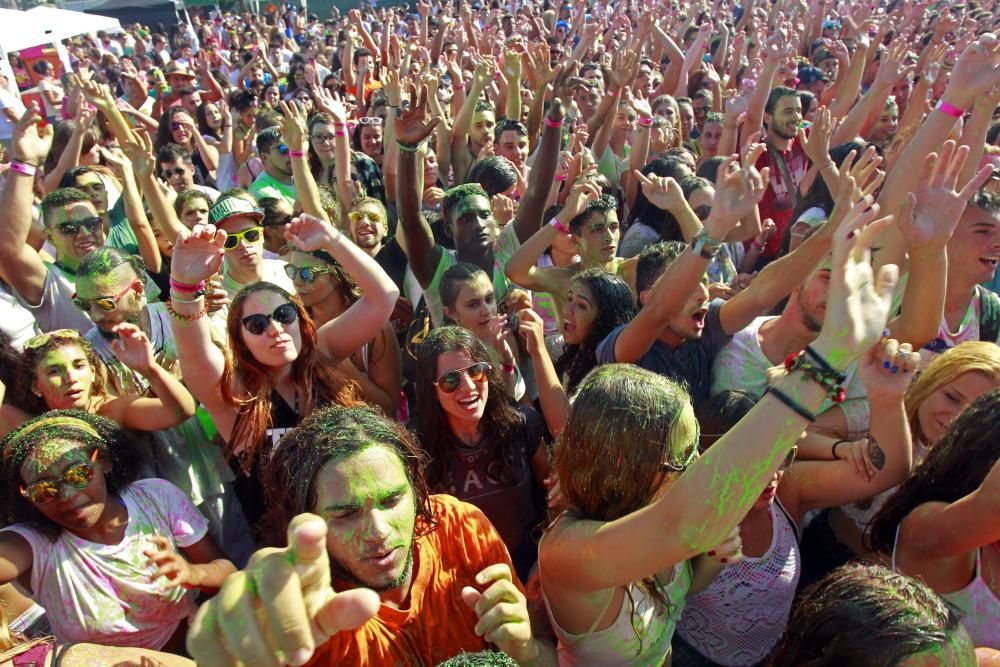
column 177, row 126
column 942, row 525
column 615, row 566
column 327, row 292
column 111, row 557
column 739, row 618
column 279, row 366
column 60, row 370
column 367, row 138
column 482, row 448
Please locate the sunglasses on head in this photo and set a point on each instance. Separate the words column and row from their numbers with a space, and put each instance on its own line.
column 77, row 476
column 282, row 149
column 452, row 380
column 284, row 314
column 306, row 274
column 72, row 227
column 105, row 303
column 252, row 235
column 370, row 120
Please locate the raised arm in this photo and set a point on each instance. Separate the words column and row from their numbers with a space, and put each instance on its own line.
column 296, row 137
column 485, row 70
column 850, row 84
column 135, row 212
column 21, row 266
column 139, row 151
column 708, row 499
column 70, row 157
column 363, row 321
column 532, row 206
column 198, row 256
column 775, row 49
column 422, row 251
column 552, row 396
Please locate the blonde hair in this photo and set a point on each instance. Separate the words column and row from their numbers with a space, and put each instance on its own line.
column 969, row 357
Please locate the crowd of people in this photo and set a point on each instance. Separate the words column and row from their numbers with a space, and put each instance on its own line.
column 539, row 333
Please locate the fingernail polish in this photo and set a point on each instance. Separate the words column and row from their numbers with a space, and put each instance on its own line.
column 886, row 364
column 711, row 553
column 895, row 369
column 723, row 560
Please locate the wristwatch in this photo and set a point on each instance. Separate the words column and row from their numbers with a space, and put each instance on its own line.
column 705, row 245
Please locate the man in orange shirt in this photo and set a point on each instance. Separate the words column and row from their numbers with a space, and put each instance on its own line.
column 405, row 578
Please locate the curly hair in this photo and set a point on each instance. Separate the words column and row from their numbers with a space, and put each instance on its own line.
column 955, row 467
column 456, row 194
column 89, row 431
column 865, row 616
column 604, row 204
column 36, row 349
column 615, row 306
column 334, row 433
column 499, row 420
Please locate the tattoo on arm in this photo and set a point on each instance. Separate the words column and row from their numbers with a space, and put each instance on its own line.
column 875, row 453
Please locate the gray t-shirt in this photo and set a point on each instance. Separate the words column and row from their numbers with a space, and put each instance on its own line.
column 690, row 363
column 56, row 309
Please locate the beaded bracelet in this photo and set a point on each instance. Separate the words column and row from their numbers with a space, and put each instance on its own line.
column 816, row 368
column 185, row 318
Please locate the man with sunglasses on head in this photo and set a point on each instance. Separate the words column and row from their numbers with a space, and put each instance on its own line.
column 276, row 179
column 237, row 214
column 72, row 226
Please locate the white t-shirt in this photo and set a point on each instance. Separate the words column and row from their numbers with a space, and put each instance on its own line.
column 56, row 309
column 9, row 101
column 102, row 593
column 15, row 320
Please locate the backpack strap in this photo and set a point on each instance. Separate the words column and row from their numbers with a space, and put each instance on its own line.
column 989, row 315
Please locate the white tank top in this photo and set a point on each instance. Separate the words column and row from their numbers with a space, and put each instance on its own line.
column 640, row 635
column 742, row 614
column 862, row 512
column 978, row 603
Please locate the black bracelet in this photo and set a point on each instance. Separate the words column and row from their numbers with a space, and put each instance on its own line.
column 824, row 364
column 791, row 403
column 833, row 450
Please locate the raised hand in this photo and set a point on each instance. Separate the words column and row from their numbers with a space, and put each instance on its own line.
column 132, row 347
column 413, row 127
column 197, row 254
column 580, row 197
column 887, row 369
column 502, row 611
column 309, row 233
column 976, row 71
column 486, row 69
column 97, row 94
column 891, row 68
column 504, row 209
column 737, row 192
column 285, row 594
column 817, row 143
column 293, row 126
column 31, row 143
column 930, row 214
column 662, row 192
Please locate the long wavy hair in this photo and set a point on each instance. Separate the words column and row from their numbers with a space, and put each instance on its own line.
column 89, row 431
column 334, row 433
column 623, row 425
column 500, row 418
column 955, row 467
column 970, row 357
column 247, row 384
column 164, row 133
column 865, row 616
column 35, row 350
column 615, row 306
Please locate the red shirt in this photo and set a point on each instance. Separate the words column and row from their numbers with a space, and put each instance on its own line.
column 780, row 198
column 437, row 624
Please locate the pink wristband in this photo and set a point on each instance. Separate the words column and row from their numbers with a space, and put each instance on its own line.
column 553, row 123
column 297, row 153
column 645, row 121
column 561, row 177
column 558, row 226
column 186, row 287
column 22, row 168
column 950, row 109
column 340, row 133
column 507, row 368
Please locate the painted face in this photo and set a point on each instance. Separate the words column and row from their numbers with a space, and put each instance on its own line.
column 128, row 308
column 179, row 174
column 468, row 402
column 473, row 226
column 279, row 344
column 64, row 378
column 940, row 409
column 367, row 226
column 369, row 507
column 194, row 212
column 483, row 123
column 587, row 100
column 93, row 185
column 74, row 509
column 475, row 306
column 513, row 146
column 246, row 255
column 974, row 248
column 371, row 140
column 179, row 128
column 322, row 139
column 71, row 249
column 598, row 238
column 710, row 138
column 579, row 313
column 784, row 122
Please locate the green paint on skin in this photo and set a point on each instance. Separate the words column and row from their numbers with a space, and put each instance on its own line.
column 55, row 454
column 51, row 371
column 473, row 203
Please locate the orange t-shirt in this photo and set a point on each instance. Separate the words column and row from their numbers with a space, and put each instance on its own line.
column 436, row 625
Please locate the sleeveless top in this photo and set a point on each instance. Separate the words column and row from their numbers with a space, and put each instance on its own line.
column 742, row 614
column 640, row 635
column 980, row 606
column 862, row 512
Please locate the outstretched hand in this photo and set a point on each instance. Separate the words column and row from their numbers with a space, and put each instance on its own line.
column 414, row 126
column 197, row 254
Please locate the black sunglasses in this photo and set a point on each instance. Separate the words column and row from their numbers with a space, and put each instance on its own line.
column 72, row 227
column 257, row 324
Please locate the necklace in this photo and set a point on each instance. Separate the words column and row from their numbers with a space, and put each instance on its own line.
column 297, row 402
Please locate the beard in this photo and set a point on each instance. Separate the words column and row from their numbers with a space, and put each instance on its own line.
column 340, row 572
column 134, row 319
